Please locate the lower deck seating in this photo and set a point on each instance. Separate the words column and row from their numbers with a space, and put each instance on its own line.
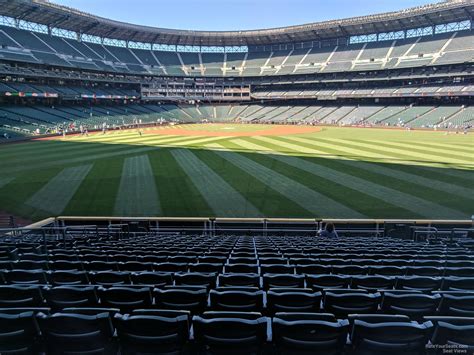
column 234, row 294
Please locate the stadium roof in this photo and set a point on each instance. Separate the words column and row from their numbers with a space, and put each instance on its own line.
column 54, row 15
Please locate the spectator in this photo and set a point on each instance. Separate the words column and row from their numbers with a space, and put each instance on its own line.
column 329, row 231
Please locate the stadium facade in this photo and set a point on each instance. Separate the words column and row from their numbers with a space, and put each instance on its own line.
column 410, row 68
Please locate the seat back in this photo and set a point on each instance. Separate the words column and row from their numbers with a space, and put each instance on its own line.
column 181, row 299
column 230, row 335
column 60, row 297
column 152, row 333
column 72, row 277
column 75, row 333
column 282, row 280
column 155, row 279
column 236, row 279
column 343, row 304
column 390, row 337
column 18, row 333
column 457, row 305
column 126, row 298
column 309, row 336
column 414, row 305
column 234, row 300
column 21, row 296
column 25, row 277
column 293, row 301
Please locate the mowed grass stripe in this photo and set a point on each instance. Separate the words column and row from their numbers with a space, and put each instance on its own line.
column 72, row 142
column 351, row 149
column 97, row 151
column 136, row 139
column 368, row 205
column 262, row 196
column 455, row 176
column 7, row 150
column 448, row 167
column 469, row 149
column 91, row 148
column 119, row 139
column 386, row 157
column 410, row 178
column 33, row 147
column 340, row 149
column 290, row 146
column 178, row 195
column 250, row 146
column 5, row 181
column 198, row 141
column 394, row 148
column 313, row 201
column 13, row 196
column 423, row 192
column 444, row 148
column 219, row 195
column 442, row 172
column 364, row 148
column 137, row 194
column 406, row 201
column 27, row 148
column 96, row 195
column 394, row 172
column 67, row 145
column 104, row 137
column 445, row 153
column 330, row 151
column 61, row 152
column 56, row 194
column 212, row 146
column 403, row 200
column 80, row 159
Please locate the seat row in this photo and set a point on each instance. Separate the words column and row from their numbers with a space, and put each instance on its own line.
column 244, row 258
column 257, row 250
column 197, row 299
column 212, row 279
column 156, row 331
column 175, row 244
column 240, row 267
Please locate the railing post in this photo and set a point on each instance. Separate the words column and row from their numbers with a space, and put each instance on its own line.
column 64, row 230
column 12, row 222
column 44, row 238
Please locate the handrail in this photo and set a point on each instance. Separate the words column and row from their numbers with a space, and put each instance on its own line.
column 261, row 220
column 124, row 226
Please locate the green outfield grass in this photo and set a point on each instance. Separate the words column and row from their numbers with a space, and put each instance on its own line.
column 334, row 173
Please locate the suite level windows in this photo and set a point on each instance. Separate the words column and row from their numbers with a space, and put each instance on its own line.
column 412, row 32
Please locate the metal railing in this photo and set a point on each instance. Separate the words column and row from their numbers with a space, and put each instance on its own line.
column 69, row 229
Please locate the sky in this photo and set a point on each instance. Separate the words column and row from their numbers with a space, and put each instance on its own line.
column 233, row 15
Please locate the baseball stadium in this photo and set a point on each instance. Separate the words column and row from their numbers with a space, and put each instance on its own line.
column 306, row 189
